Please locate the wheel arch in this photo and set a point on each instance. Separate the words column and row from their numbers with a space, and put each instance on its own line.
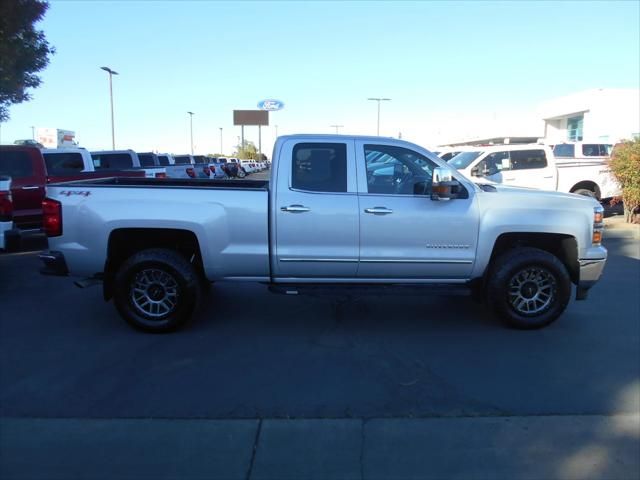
column 564, row 247
column 124, row 242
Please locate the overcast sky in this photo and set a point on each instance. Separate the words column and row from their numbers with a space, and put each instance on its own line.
column 450, row 68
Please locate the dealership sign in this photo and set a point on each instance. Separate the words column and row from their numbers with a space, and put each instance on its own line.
column 271, row 105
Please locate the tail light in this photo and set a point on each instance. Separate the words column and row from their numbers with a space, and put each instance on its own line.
column 52, row 217
column 207, row 171
column 161, row 175
column 191, row 172
column 6, row 206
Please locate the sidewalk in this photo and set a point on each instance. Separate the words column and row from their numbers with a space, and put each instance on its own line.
column 537, row 447
column 616, row 227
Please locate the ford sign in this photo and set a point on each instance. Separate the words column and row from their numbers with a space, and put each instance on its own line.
column 271, row 105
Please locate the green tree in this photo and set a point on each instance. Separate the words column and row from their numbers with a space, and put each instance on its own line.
column 248, row 151
column 625, row 164
column 24, row 51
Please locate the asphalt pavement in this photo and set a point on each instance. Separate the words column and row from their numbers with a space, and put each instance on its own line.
column 269, row 386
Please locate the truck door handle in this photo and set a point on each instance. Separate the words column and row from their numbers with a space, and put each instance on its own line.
column 509, row 179
column 378, row 210
column 550, row 176
column 30, row 187
column 295, row 209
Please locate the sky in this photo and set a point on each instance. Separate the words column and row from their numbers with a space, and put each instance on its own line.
column 449, row 68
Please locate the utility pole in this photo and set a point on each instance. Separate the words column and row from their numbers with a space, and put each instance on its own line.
column 191, row 114
column 113, row 130
column 33, row 133
column 221, row 152
column 336, row 127
column 377, row 99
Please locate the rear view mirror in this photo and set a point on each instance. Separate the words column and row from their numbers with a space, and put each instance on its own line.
column 443, row 185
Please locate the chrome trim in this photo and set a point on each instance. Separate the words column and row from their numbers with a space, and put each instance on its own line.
column 378, row 210
column 365, row 280
column 295, row 209
column 465, row 262
column 320, row 260
column 590, row 271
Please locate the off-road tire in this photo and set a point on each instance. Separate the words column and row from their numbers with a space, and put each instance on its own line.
column 525, row 271
column 156, row 275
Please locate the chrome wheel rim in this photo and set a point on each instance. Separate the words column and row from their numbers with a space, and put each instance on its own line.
column 154, row 293
column 532, row 290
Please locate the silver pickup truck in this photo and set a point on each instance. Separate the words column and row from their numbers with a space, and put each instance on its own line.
column 339, row 214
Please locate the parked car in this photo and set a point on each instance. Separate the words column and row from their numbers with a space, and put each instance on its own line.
column 325, row 223
column 249, row 166
column 535, row 166
column 240, row 171
column 117, row 160
column 6, row 213
column 31, row 169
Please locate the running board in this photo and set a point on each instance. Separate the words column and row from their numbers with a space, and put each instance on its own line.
column 370, row 289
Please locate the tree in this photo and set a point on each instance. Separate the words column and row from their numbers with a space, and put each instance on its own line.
column 24, row 51
column 625, row 164
column 248, row 151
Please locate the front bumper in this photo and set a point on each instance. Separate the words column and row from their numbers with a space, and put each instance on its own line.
column 54, row 264
column 590, row 272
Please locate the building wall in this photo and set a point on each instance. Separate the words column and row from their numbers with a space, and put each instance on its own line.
column 610, row 115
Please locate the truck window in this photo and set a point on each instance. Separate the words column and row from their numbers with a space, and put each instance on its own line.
column 397, row 171
column 61, row 163
column 163, row 160
column 595, row 150
column 564, row 150
column 112, row 161
column 319, row 167
column 493, row 163
column 16, row 164
column 146, row 160
column 182, row 159
column 528, row 159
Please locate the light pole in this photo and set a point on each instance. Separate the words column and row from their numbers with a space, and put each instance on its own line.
column 336, row 127
column 191, row 114
column 113, row 130
column 33, row 133
column 379, row 100
column 221, row 152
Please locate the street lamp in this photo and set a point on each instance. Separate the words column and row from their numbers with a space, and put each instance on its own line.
column 111, row 74
column 336, row 127
column 375, row 99
column 33, row 133
column 221, row 153
column 191, row 114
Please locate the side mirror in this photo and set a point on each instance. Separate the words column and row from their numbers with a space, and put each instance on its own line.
column 443, row 185
column 475, row 172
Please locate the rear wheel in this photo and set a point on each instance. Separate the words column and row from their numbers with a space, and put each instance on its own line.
column 528, row 288
column 585, row 192
column 156, row 290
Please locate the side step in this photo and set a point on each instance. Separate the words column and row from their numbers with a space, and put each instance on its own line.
column 370, row 289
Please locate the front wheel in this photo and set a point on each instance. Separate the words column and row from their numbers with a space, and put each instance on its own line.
column 586, row 193
column 156, row 290
column 241, row 173
column 528, row 288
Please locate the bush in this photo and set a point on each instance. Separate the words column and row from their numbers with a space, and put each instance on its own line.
column 625, row 164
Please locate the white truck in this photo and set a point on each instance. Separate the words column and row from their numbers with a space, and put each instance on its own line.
column 339, row 214
column 535, row 166
column 116, row 160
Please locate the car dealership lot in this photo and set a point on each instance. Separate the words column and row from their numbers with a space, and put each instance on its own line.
column 359, row 371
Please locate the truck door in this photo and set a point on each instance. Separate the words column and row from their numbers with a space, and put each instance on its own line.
column 404, row 234
column 316, row 211
column 532, row 169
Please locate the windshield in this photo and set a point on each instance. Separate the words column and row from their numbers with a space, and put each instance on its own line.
column 464, row 159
